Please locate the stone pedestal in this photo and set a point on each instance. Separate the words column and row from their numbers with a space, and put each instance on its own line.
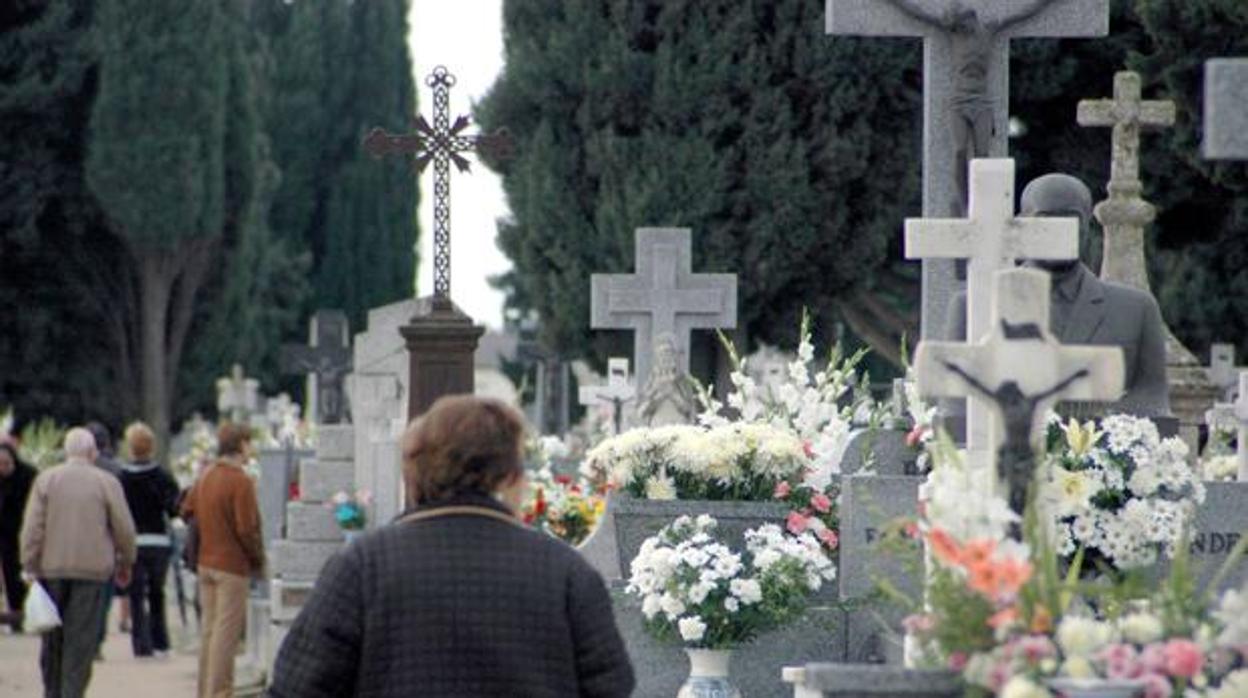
column 1192, row 394
column 859, row 681
column 441, row 341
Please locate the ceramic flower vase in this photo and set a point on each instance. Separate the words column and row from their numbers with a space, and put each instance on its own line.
column 1097, row 688
column 708, row 675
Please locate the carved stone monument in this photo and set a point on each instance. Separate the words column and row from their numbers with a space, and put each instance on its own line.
column 945, row 53
column 617, row 392
column 668, row 397
column 237, row 395
column 326, row 361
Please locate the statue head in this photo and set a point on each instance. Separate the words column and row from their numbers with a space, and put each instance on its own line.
column 666, row 356
column 963, row 19
column 1058, row 195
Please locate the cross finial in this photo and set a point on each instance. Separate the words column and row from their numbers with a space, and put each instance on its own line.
column 441, row 144
column 1127, row 114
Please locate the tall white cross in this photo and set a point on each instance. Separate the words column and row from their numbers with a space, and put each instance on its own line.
column 617, row 391
column 237, row 395
column 1236, row 414
column 1020, row 349
column 991, row 239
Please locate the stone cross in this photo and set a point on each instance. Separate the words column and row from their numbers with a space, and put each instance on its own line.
column 237, row 395
column 1235, row 414
column 987, row 55
column 991, row 239
column 616, row 392
column 664, row 296
column 1226, row 109
column 442, row 143
column 326, row 361
column 1023, row 367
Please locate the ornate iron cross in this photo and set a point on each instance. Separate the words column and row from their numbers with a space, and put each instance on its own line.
column 441, row 144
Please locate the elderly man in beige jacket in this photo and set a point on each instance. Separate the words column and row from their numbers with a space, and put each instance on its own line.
column 77, row 534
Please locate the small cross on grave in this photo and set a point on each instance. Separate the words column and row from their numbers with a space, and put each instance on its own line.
column 1222, row 371
column 991, row 238
column 237, row 395
column 1127, row 114
column 1226, row 109
column 442, row 143
column 326, row 361
column 966, row 89
column 663, row 297
column 1235, row 414
column 615, row 393
column 1022, row 370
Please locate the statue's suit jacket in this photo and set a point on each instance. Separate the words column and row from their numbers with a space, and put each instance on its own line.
column 1108, row 314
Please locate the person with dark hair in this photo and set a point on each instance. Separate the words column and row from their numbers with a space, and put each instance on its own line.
column 456, row 597
column 152, row 494
column 16, row 478
column 231, row 552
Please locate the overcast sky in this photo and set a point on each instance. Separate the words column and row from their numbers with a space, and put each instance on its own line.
column 467, row 37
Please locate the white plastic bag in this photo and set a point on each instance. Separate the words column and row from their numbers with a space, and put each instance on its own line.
column 39, row 612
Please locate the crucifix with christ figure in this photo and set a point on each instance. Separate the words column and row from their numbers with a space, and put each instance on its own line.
column 442, row 143
column 1021, row 370
column 618, row 391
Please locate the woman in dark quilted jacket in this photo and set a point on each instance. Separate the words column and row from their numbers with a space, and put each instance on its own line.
column 456, row 597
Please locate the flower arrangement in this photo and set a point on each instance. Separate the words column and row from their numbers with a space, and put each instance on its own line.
column 812, row 404
column 813, row 511
column 696, row 590
column 1000, row 612
column 734, row 461
column 562, row 507
column 203, row 451
column 349, row 509
column 1219, row 461
column 1119, row 491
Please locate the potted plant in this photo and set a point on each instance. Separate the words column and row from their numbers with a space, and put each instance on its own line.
column 697, row 591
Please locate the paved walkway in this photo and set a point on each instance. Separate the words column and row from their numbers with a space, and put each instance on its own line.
column 119, row 675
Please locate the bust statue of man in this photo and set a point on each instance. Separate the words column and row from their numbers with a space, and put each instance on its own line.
column 1087, row 310
column 668, row 397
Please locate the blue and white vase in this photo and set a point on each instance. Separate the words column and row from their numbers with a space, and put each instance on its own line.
column 1097, row 688
column 708, row 675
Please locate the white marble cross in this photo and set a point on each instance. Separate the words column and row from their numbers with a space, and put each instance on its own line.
column 237, row 395
column 1226, row 109
column 617, row 391
column 1127, row 114
column 991, row 238
column 663, row 297
column 1020, row 349
column 1222, row 371
column 1235, row 414
column 941, row 76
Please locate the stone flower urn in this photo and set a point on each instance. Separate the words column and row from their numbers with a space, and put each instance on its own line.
column 1097, row 688
column 708, row 675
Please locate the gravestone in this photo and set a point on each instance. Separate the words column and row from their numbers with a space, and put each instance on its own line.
column 326, row 361
column 279, row 468
column 1226, row 109
column 237, row 395
column 1221, row 522
column 857, row 681
column 617, row 392
column 944, row 79
column 871, row 509
column 663, row 297
column 883, row 450
column 991, row 238
column 1222, row 371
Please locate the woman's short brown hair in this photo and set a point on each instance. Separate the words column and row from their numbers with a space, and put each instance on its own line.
column 231, row 437
column 462, row 444
column 141, row 441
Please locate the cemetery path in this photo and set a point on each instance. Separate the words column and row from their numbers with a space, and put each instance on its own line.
column 120, row 675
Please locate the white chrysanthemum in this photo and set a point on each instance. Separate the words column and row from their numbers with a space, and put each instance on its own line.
column 1232, row 612
column 731, row 604
column 1022, row 687
column 660, row 488
column 672, row 606
column 1082, row 637
column 1234, row 685
column 692, row 629
column 1140, row 628
column 749, row 591
column 650, row 606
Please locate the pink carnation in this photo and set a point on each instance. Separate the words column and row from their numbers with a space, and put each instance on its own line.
column 782, row 490
column 1036, row 647
column 829, row 538
column 1153, row 658
column 1156, row 686
column 796, row 523
column 957, row 661
column 821, row 503
column 1121, row 662
column 1183, row 658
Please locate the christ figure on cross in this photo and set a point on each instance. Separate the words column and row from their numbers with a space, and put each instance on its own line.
column 1016, row 456
column 970, row 107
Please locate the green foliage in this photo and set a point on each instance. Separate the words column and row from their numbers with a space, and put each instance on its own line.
column 742, row 121
column 41, row 443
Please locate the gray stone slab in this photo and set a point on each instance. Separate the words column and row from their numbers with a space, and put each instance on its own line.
column 870, row 508
column 1226, row 109
column 755, row 669
column 865, row 681
column 886, row 447
column 278, row 468
column 1220, row 524
column 287, row 597
column 300, row 560
column 311, row 521
column 600, row 547
column 319, row 480
column 335, row 441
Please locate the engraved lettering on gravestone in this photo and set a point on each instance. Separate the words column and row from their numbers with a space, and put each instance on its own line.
column 442, row 143
column 971, row 107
